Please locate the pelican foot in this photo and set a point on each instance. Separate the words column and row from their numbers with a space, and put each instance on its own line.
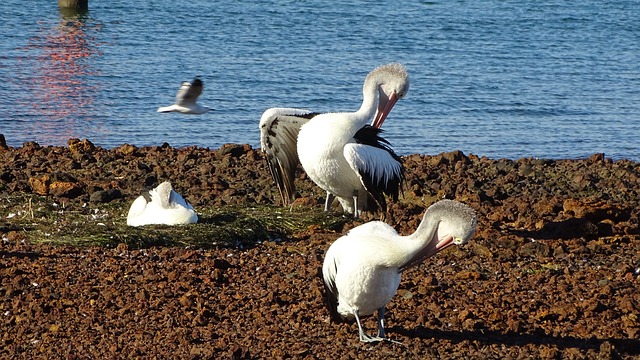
column 392, row 341
column 370, row 339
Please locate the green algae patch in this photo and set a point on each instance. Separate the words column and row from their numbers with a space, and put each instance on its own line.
column 38, row 219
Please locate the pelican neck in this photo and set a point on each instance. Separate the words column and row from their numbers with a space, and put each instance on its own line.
column 370, row 98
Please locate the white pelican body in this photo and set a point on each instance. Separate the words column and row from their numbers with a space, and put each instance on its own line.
column 362, row 269
column 336, row 162
column 340, row 152
column 161, row 205
column 186, row 98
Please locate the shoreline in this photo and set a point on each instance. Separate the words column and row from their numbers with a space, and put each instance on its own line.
column 4, row 145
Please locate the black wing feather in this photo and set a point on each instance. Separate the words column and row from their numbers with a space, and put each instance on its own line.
column 378, row 188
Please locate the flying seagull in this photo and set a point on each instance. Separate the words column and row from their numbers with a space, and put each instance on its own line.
column 186, row 98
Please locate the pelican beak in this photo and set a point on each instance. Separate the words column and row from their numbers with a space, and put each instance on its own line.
column 436, row 245
column 445, row 242
column 384, row 108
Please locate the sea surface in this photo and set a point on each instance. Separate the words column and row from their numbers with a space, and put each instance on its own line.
column 497, row 78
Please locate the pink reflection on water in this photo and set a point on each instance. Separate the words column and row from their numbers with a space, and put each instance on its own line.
column 61, row 101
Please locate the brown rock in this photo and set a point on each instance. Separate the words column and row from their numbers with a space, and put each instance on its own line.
column 593, row 210
column 40, row 184
column 234, row 150
column 595, row 158
column 3, row 143
column 65, row 189
column 80, row 147
column 535, row 249
column 126, row 149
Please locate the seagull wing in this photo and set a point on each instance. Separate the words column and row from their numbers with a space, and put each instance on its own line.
column 188, row 93
column 279, row 128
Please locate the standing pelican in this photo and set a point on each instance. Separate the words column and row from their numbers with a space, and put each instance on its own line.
column 161, row 205
column 186, row 98
column 340, row 152
column 362, row 269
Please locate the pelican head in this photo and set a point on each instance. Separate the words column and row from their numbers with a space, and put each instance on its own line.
column 392, row 81
column 445, row 223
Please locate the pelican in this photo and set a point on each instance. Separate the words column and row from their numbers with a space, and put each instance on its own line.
column 362, row 269
column 340, row 151
column 186, row 98
column 161, row 205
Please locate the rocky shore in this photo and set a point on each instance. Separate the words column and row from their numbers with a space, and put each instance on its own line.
column 553, row 271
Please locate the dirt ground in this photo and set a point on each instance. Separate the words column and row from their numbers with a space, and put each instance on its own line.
column 553, row 271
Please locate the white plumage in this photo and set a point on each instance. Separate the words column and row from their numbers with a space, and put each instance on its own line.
column 186, row 98
column 339, row 151
column 362, row 269
column 161, row 205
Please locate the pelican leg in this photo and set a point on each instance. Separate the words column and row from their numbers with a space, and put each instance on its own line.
column 329, row 201
column 381, row 322
column 381, row 334
column 363, row 336
column 355, row 204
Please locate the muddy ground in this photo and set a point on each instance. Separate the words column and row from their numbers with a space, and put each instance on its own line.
column 553, row 271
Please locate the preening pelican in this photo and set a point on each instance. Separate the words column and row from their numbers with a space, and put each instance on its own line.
column 186, row 98
column 362, row 269
column 161, row 205
column 340, row 151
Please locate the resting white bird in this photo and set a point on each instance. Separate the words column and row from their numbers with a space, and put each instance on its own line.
column 362, row 269
column 339, row 151
column 186, row 98
column 161, row 205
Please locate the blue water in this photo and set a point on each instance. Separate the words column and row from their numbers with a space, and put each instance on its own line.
column 503, row 79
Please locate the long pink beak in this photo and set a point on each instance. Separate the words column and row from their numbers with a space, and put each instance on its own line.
column 438, row 245
column 384, row 108
column 444, row 243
